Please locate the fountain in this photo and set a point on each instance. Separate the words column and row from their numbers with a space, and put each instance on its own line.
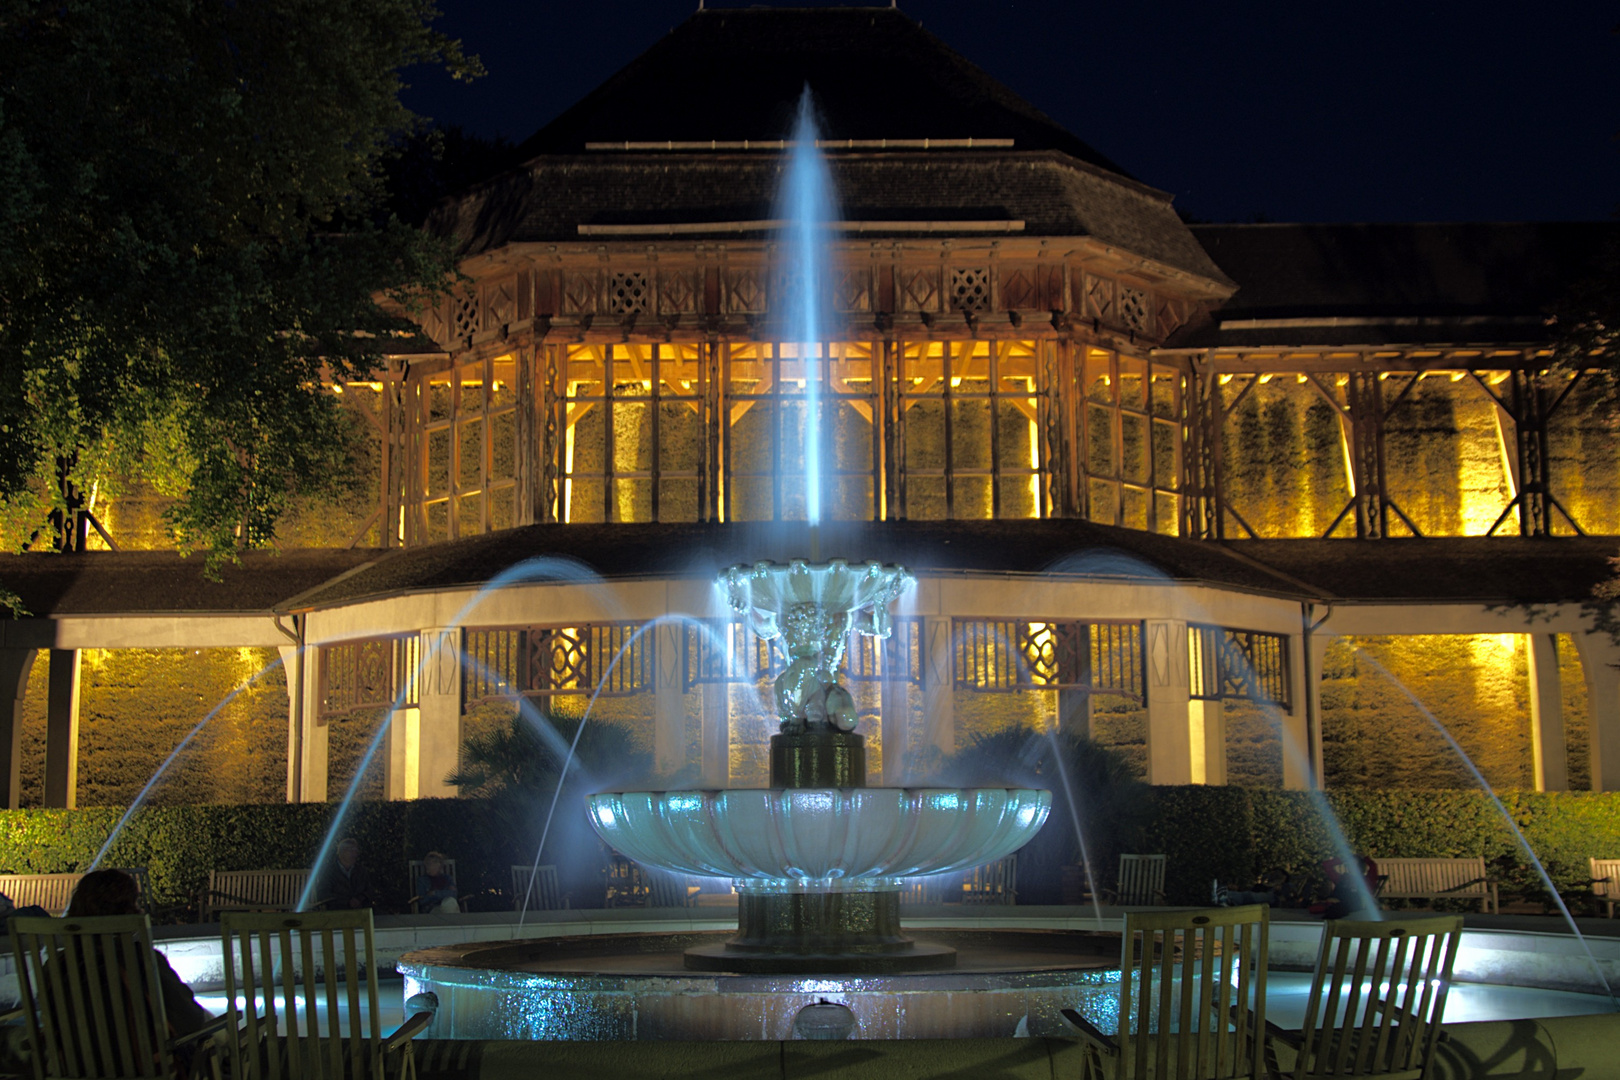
column 817, row 859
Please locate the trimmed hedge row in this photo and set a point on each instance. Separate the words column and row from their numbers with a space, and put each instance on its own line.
column 1239, row 834
column 1230, row 833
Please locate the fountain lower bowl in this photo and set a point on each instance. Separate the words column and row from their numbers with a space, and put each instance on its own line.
column 637, row 986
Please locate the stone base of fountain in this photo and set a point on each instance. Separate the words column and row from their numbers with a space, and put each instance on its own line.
column 804, row 933
column 818, row 759
column 819, row 930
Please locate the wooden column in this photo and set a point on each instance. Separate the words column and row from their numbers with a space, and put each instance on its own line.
column 1298, row 759
column 1169, row 746
column 939, row 685
column 15, row 667
column 404, row 754
column 307, row 728
column 1548, row 753
column 439, row 707
column 1600, row 662
column 62, row 730
column 669, row 699
column 1317, row 644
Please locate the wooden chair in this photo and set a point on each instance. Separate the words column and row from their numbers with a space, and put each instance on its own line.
column 545, row 895
column 992, row 883
column 626, row 883
column 413, row 873
column 91, row 1002
column 665, row 889
column 1606, row 882
column 1192, row 998
column 932, row 889
column 1376, row 999
column 280, row 969
column 1141, row 881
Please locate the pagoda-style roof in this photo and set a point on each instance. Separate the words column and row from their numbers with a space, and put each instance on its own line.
column 1393, row 284
column 1047, row 193
column 734, row 75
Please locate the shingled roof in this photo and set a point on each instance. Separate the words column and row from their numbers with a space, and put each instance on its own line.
column 1393, row 284
column 737, row 74
column 1053, row 195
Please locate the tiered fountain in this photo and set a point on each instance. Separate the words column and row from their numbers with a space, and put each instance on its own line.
column 818, row 857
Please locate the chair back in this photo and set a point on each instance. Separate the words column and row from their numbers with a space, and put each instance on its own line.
column 1141, row 879
column 1377, row 997
column 992, row 883
column 1192, row 994
column 626, row 883
column 413, row 874
column 91, row 998
column 545, row 895
column 666, row 889
column 931, row 889
column 293, row 986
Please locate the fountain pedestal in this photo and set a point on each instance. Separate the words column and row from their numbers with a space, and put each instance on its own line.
column 819, row 930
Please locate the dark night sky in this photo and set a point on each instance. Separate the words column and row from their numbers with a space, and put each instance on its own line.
column 1297, row 111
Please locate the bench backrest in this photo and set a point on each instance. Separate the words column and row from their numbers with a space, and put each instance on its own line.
column 1606, row 877
column 1141, row 879
column 49, row 891
column 1455, row 877
column 256, row 888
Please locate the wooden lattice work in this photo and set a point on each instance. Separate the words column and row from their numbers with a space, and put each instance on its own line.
column 1244, row 665
column 614, row 659
column 375, row 673
column 1011, row 655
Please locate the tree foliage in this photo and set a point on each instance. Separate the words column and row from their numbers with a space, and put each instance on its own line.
column 193, row 235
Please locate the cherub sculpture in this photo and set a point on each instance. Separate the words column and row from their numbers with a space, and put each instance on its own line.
column 807, row 692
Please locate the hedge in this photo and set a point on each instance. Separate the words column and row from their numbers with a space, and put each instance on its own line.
column 1228, row 833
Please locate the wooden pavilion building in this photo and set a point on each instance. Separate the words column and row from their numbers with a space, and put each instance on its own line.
column 1146, row 471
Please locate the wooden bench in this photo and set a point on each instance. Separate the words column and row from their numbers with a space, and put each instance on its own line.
column 49, row 891
column 1437, row 879
column 252, row 890
column 1606, row 882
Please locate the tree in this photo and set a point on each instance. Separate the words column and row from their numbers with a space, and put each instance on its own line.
column 193, row 241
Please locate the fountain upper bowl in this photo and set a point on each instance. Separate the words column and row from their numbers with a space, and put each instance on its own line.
column 819, row 839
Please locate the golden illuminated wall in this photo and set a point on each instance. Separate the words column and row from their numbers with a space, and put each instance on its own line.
column 1476, row 685
column 1286, row 455
column 135, row 707
column 1584, row 447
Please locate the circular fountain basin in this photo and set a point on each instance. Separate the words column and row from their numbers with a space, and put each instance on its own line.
column 819, row 839
column 635, row 986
